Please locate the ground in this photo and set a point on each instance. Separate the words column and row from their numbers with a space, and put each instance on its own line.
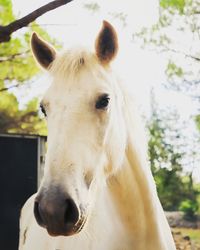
column 186, row 239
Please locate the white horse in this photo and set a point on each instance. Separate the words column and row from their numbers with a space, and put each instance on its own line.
column 97, row 192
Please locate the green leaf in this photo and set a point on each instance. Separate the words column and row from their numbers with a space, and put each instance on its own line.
column 17, row 68
column 173, row 69
column 177, row 4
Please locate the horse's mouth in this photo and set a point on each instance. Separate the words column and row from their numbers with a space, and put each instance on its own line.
column 68, row 231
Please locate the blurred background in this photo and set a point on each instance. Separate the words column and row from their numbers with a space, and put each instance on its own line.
column 161, row 40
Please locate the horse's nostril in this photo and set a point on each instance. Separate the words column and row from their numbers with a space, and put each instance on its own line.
column 56, row 212
column 71, row 215
column 38, row 215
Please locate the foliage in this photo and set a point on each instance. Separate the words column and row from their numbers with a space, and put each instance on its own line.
column 170, row 188
column 93, row 6
column 197, row 120
column 165, row 164
column 6, row 12
column 177, row 4
column 189, row 207
column 175, row 190
column 14, row 120
column 173, row 70
column 176, row 36
column 17, row 68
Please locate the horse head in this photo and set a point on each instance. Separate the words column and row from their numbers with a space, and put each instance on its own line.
column 86, row 130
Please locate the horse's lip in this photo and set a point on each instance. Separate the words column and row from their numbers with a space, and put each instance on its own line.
column 74, row 230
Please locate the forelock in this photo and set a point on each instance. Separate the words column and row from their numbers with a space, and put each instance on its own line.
column 71, row 62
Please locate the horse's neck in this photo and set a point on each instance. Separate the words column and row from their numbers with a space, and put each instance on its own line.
column 134, row 195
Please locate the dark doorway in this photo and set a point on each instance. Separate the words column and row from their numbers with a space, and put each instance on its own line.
column 18, row 181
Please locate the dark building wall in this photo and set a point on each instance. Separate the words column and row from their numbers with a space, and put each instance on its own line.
column 18, row 181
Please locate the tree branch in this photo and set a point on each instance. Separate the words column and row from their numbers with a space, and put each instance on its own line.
column 19, row 84
column 6, row 31
column 183, row 53
column 10, row 87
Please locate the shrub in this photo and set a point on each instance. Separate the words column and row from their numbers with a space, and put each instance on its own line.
column 189, row 207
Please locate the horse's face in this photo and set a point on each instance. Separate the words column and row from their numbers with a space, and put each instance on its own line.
column 83, row 116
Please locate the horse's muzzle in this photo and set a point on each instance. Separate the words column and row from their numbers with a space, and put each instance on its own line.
column 57, row 212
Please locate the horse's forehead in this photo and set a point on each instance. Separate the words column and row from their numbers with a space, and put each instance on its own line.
column 83, row 86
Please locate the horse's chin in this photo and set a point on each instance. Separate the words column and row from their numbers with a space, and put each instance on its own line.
column 68, row 232
column 55, row 234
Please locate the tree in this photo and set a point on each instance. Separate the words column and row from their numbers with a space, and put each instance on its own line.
column 190, row 205
column 176, row 190
column 177, row 36
column 17, row 68
column 165, row 159
column 14, row 25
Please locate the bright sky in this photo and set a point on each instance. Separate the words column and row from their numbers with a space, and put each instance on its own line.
column 73, row 22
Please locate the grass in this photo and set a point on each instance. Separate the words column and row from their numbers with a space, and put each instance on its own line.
column 194, row 234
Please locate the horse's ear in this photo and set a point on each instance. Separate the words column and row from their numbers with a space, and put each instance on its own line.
column 106, row 43
column 43, row 52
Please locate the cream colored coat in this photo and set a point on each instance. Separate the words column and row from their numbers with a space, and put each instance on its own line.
column 104, row 148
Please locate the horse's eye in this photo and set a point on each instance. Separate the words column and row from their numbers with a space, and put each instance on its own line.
column 43, row 110
column 102, row 101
